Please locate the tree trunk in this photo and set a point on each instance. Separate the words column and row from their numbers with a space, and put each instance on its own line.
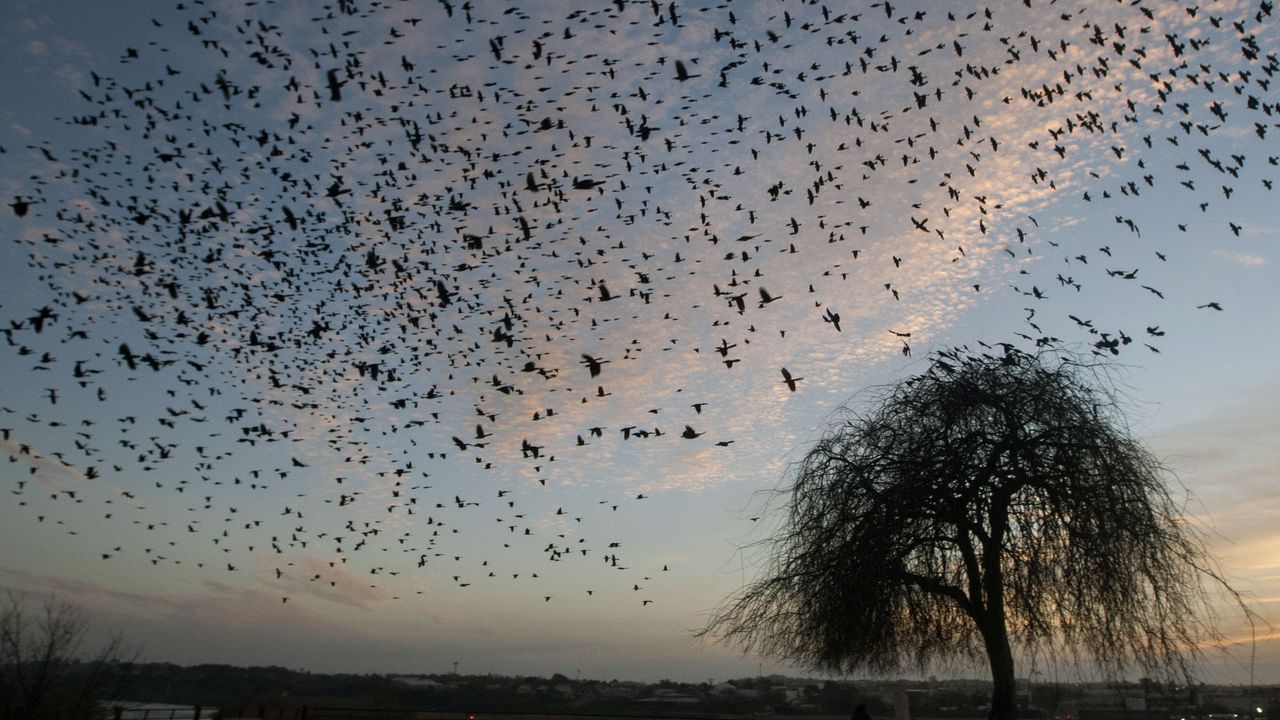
column 995, row 633
column 1004, row 698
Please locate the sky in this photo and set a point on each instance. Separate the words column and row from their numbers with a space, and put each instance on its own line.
column 379, row 336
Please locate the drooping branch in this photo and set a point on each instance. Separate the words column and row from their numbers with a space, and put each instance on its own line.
column 993, row 499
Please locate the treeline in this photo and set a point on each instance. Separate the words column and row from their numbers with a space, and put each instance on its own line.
column 250, row 688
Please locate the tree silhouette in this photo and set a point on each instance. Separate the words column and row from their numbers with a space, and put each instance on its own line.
column 42, row 671
column 995, row 502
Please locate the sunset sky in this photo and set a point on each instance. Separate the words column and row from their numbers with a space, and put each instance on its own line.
column 374, row 337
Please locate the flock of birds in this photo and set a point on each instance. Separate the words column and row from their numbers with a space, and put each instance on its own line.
column 357, row 252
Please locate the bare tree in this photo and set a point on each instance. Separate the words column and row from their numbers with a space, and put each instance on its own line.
column 995, row 502
column 43, row 668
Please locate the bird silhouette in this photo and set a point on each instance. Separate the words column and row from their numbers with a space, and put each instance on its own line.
column 354, row 256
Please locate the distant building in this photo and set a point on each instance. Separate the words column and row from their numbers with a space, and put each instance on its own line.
column 728, row 689
column 417, row 681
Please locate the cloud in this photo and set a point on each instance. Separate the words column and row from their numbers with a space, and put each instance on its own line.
column 328, row 579
column 52, row 473
column 1244, row 259
column 1226, row 457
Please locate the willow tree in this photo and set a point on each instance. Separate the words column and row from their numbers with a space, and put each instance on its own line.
column 995, row 503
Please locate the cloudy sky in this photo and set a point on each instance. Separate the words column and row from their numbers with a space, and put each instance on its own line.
column 382, row 336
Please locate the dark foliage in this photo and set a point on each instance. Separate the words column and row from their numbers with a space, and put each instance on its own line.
column 994, row 502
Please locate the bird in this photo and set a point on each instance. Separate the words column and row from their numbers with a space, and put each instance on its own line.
column 325, row 262
column 594, row 365
column 790, row 381
column 682, row 73
column 832, row 318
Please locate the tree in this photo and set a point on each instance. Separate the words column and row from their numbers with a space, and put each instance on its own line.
column 42, row 673
column 995, row 502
